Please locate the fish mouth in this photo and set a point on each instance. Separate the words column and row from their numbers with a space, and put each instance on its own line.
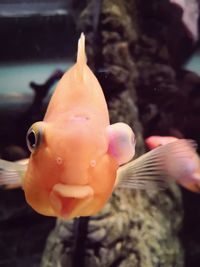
column 69, row 208
column 56, row 203
column 70, row 201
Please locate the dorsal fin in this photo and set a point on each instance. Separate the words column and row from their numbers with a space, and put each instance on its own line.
column 81, row 55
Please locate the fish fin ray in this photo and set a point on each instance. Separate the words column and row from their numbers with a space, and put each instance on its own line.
column 11, row 173
column 150, row 170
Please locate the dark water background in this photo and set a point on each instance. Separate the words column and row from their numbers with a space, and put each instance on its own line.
column 38, row 38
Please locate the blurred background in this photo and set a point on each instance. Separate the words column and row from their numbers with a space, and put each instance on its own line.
column 38, row 43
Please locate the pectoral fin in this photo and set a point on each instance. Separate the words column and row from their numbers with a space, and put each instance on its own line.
column 12, row 173
column 152, row 169
column 146, row 172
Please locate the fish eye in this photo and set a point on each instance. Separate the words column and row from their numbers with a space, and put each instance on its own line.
column 34, row 137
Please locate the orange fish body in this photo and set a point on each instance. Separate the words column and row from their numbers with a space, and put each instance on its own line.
column 71, row 173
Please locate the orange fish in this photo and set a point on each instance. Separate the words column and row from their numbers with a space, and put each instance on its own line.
column 186, row 169
column 76, row 154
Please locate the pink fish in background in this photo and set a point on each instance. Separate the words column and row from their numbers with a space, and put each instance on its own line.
column 185, row 169
column 156, row 140
column 190, row 16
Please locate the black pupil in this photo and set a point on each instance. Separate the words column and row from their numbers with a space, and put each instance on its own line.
column 32, row 139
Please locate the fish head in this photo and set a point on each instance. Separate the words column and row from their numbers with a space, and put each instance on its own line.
column 71, row 172
column 74, row 153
